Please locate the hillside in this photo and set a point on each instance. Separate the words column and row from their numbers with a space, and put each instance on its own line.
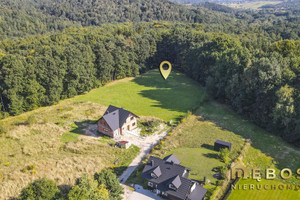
column 41, row 70
column 19, row 18
column 51, row 141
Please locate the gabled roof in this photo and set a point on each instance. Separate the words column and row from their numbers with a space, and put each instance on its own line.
column 198, row 193
column 117, row 119
column 171, row 173
column 182, row 191
column 172, row 158
column 176, row 182
column 112, row 119
column 157, row 171
column 168, row 170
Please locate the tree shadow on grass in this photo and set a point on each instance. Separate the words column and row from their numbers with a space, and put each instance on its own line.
column 81, row 125
column 208, row 146
column 177, row 93
column 119, row 170
column 211, row 155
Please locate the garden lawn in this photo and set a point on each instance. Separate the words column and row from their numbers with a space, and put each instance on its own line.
column 200, row 160
column 192, row 143
column 150, row 95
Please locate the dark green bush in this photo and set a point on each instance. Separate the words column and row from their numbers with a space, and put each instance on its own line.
column 41, row 189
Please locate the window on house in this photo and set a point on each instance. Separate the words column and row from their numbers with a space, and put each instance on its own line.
column 171, row 186
column 131, row 118
column 150, row 184
column 133, row 124
column 153, row 175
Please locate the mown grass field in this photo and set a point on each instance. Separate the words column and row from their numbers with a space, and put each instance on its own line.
column 150, row 95
column 262, row 194
column 192, row 142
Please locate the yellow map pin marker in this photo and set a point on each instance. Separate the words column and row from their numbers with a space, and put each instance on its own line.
column 165, row 72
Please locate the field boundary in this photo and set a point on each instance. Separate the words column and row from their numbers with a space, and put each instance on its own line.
column 222, row 191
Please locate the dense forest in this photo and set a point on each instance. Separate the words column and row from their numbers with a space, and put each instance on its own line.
column 257, row 77
column 21, row 18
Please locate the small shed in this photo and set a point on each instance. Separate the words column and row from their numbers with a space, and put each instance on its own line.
column 219, row 144
column 124, row 144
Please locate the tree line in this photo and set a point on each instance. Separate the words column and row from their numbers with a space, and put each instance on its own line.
column 259, row 78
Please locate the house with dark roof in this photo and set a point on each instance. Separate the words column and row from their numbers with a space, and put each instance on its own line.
column 116, row 121
column 167, row 178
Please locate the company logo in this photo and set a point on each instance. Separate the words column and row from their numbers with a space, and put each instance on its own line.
column 257, row 174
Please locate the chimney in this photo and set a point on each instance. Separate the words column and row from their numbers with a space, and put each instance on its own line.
column 123, row 108
column 152, row 162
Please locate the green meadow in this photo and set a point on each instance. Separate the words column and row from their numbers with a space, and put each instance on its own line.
column 283, row 154
column 150, row 95
column 55, row 146
column 54, row 143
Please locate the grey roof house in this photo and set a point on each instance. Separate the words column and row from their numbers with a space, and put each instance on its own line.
column 167, row 178
column 116, row 121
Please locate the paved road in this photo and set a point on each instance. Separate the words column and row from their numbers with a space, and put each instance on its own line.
column 141, row 194
column 146, row 144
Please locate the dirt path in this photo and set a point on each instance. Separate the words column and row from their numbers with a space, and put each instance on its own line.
column 146, row 144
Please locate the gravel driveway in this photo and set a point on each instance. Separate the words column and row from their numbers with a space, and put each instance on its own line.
column 145, row 144
column 141, row 194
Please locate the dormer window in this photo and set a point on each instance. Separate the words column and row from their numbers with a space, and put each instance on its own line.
column 175, row 184
column 153, row 175
column 171, row 186
column 156, row 172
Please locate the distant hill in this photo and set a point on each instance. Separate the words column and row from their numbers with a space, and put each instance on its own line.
column 288, row 4
column 19, row 18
